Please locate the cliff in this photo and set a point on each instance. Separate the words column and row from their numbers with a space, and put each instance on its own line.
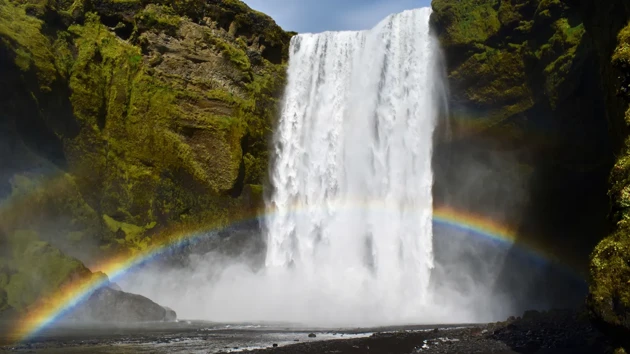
column 547, row 81
column 525, row 95
column 609, row 300
column 126, row 121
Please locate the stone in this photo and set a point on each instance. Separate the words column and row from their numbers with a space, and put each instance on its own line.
column 107, row 305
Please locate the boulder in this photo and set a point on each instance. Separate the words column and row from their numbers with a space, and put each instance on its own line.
column 107, row 305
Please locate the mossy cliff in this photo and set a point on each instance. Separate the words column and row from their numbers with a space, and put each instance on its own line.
column 525, row 95
column 608, row 23
column 125, row 120
column 552, row 78
column 510, row 59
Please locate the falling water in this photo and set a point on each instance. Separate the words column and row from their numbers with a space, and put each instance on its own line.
column 350, row 232
column 352, row 174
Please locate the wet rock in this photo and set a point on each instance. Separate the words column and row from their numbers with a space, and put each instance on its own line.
column 170, row 316
column 107, row 305
column 312, row 335
column 531, row 315
column 114, row 286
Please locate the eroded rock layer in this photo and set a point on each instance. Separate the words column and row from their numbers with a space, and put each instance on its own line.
column 548, row 80
column 126, row 122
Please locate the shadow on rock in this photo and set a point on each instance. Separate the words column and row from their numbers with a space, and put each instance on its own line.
column 108, row 305
column 556, row 331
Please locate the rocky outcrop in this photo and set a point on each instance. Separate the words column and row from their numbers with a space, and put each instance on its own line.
column 510, row 59
column 107, row 305
column 517, row 66
column 125, row 123
column 525, row 95
column 35, row 271
column 609, row 300
column 141, row 114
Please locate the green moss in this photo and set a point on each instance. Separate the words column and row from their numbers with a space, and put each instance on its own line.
column 133, row 234
column 560, row 51
column 159, row 17
column 610, row 261
column 4, row 280
column 237, row 16
column 52, row 206
column 467, row 21
column 235, row 55
column 21, row 34
column 153, row 147
column 622, row 52
column 610, row 270
column 20, row 240
column 39, row 270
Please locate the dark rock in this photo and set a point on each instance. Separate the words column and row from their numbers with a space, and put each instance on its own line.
column 112, row 306
column 114, row 286
column 312, row 335
column 531, row 315
column 275, row 345
column 170, row 316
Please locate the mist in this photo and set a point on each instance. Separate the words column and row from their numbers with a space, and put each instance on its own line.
column 350, row 239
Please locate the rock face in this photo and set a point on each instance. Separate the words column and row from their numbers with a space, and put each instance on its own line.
column 515, row 67
column 123, row 118
column 36, row 270
column 510, row 59
column 124, row 123
column 525, row 95
column 107, row 305
column 609, row 299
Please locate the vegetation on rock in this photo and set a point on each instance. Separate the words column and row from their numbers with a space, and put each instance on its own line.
column 609, row 299
column 505, row 58
column 559, row 68
column 129, row 119
column 546, row 62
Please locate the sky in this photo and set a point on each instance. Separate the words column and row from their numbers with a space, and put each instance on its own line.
column 331, row 15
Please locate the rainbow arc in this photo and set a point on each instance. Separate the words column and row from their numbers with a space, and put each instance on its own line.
column 52, row 309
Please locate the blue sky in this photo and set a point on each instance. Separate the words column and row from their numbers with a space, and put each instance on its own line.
column 331, row 15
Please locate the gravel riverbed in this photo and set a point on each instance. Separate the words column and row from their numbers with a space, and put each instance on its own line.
column 560, row 332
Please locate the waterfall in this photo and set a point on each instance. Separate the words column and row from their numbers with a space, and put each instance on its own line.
column 352, row 178
column 349, row 226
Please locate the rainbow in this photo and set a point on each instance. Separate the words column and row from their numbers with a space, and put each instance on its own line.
column 52, row 309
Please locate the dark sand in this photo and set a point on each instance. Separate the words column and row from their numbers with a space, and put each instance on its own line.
column 554, row 332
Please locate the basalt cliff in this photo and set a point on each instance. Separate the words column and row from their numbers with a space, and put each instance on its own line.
column 124, row 124
column 547, row 81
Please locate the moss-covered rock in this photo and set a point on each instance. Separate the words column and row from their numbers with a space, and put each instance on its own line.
column 509, row 58
column 125, row 123
column 37, row 270
column 609, row 299
column 166, row 110
column 524, row 86
column 534, row 79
